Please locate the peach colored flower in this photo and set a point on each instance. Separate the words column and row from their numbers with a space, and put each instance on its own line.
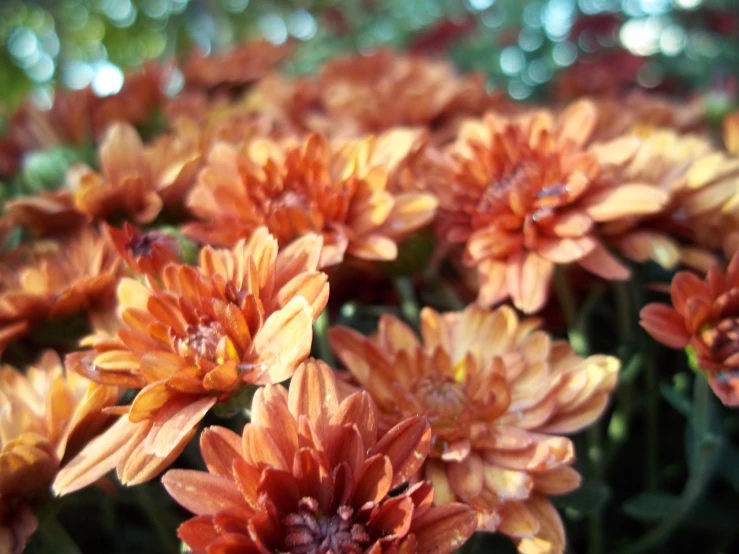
column 194, row 338
column 701, row 182
column 528, row 194
column 50, row 279
column 134, row 180
column 233, row 68
column 704, row 318
column 498, row 393
column 338, row 189
column 47, row 415
column 309, row 474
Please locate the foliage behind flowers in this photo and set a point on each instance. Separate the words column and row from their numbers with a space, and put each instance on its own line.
column 377, row 307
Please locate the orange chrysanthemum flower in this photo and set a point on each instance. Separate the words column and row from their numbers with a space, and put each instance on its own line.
column 498, row 394
column 374, row 92
column 525, row 195
column 336, row 189
column 47, row 414
column 134, row 180
column 144, row 252
column 55, row 279
column 237, row 67
column 704, row 318
column 701, row 182
column 243, row 317
column 310, row 475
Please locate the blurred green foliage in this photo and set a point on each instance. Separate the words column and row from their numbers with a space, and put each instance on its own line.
column 519, row 45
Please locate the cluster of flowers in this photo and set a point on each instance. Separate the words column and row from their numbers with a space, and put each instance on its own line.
column 291, row 184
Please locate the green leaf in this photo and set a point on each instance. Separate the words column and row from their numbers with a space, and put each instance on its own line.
column 651, row 505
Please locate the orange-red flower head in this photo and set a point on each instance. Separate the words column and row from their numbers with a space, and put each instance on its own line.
column 704, row 317
column 309, row 474
column 50, row 279
column 498, row 394
column 47, row 413
column 337, row 189
column 528, row 194
column 194, row 338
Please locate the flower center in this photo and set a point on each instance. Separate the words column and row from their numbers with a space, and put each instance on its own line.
column 723, row 339
column 307, row 532
column 201, row 340
column 444, row 398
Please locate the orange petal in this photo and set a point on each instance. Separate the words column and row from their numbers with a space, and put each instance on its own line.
column 202, row 493
column 550, row 539
column 99, row 456
column 444, row 529
column 406, row 445
column 615, row 202
column 528, row 278
column 285, row 340
column 373, row 247
column 602, row 263
column 219, row 447
column 373, row 480
column 665, row 325
column 313, row 394
column 466, row 477
column 358, row 410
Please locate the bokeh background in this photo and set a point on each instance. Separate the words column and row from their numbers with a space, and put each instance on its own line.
column 522, row 47
column 534, row 51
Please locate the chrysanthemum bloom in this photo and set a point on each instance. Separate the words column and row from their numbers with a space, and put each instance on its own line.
column 55, row 279
column 47, row 414
column 192, row 339
column 498, row 393
column 234, row 68
column 309, row 475
column 376, row 92
column 704, row 317
column 527, row 194
column 145, row 252
column 336, row 189
column 700, row 181
column 134, row 180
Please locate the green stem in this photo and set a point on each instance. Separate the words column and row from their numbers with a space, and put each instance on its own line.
column 699, row 477
column 566, row 297
column 408, row 303
column 166, row 535
column 55, row 537
column 320, row 335
column 444, row 295
column 577, row 334
column 651, row 393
